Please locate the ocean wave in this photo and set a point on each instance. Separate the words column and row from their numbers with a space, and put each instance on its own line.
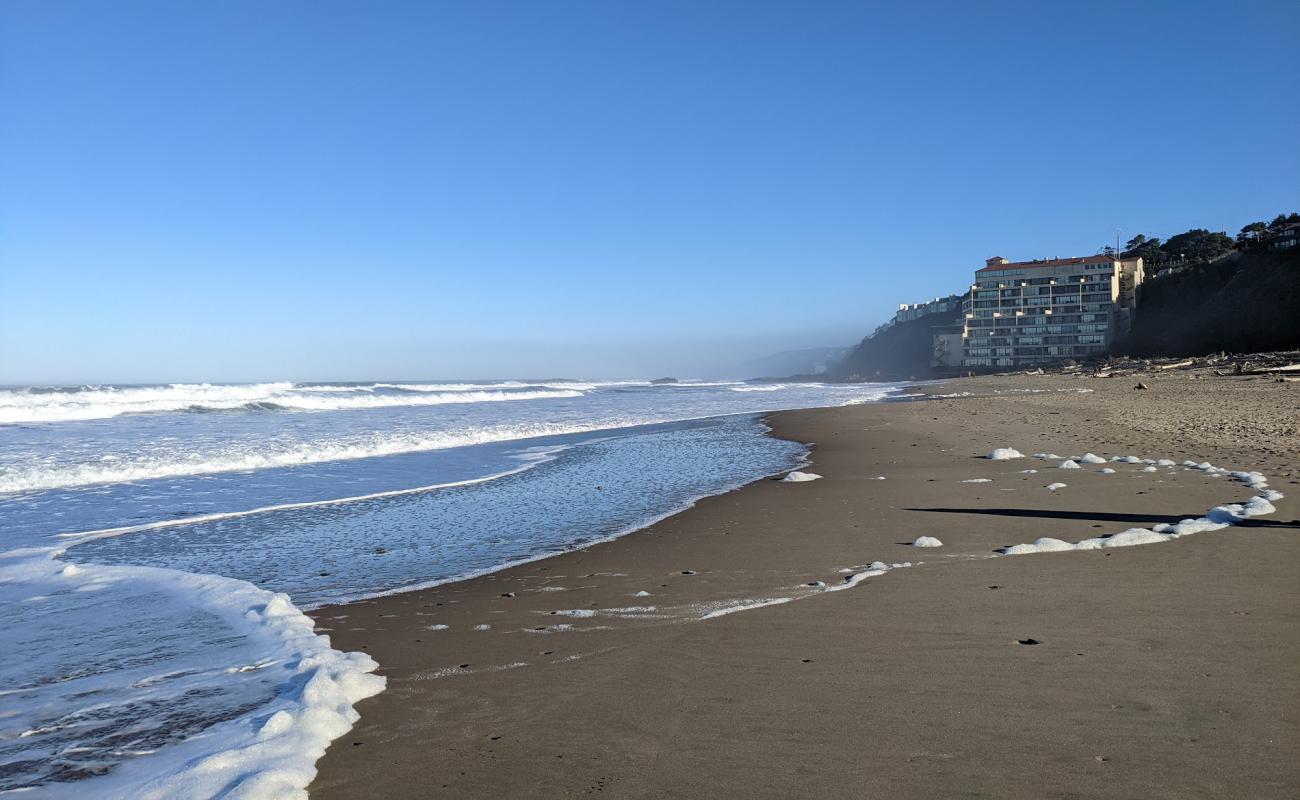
column 44, row 477
column 25, row 406
column 580, row 386
column 762, row 387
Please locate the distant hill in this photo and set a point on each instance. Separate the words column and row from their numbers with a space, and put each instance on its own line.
column 812, row 361
column 901, row 351
column 1246, row 302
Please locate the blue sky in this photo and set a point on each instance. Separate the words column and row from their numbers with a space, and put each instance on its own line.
column 317, row 190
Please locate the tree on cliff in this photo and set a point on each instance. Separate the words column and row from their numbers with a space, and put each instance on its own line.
column 1198, row 244
column 1258, row 235
column 1142, row 247
column 1252, row 236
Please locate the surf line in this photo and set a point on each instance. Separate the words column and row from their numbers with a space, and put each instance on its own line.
column 103, row 533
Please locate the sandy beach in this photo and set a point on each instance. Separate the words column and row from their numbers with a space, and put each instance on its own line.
column 704, row 656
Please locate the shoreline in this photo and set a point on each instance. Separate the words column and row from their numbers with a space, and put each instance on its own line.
column 447, row 698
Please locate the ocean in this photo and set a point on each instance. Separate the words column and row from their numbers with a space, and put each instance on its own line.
column 160, row 543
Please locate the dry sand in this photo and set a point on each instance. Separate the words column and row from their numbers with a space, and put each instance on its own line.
column 1163, row 671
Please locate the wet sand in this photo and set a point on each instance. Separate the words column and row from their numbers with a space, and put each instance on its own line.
column 1168, row 670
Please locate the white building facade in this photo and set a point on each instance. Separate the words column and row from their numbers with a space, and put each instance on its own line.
column 1031, row 313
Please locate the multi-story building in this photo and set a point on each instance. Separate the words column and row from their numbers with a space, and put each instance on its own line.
column 910, row 311
column 1038, row 312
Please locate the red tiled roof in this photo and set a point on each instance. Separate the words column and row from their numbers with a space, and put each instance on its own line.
column 1054, row 262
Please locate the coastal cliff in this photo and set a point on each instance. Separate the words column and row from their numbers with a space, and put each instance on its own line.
column 1246, row 302
column 901, row 351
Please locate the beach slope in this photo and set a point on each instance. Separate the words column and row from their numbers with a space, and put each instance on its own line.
column 706, row 655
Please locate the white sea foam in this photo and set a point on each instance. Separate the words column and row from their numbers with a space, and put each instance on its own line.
column 978, row 480
column 1091, row 458
column 800, row 477
column 1051, row 487
column 927, row 541
column 1068, row 464
column 1004, row 454
column 268, row 754
column 748, row 605
column 857, row 577
column 1216, row 518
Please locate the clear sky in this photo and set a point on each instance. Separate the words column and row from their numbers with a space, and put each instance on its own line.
column 356, row 190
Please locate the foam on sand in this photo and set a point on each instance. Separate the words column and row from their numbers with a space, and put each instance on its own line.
column 747, row 605
column 927, row 541
column 978, row 480
column 1004, row 454
column 1051, row 487
column 800, row 477
column 1216, row 518
column 1090, row 458
column 1068, row 464
column 851, row 580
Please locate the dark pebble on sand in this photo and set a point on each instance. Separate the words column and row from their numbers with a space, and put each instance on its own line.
column 688, row 572
column 464, row 666
column 508, row 594
column 995, row 587
column 807, row 660
column 1028, row 641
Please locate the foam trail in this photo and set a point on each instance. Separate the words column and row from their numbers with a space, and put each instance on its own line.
column 1217, row 518
column 747, row 606
column 82, row 536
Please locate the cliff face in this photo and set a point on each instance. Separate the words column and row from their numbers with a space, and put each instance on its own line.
column 902, row 351
column 1247, row 303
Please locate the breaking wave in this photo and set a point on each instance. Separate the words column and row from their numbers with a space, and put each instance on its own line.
column 41, row 477
column 28, row 406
